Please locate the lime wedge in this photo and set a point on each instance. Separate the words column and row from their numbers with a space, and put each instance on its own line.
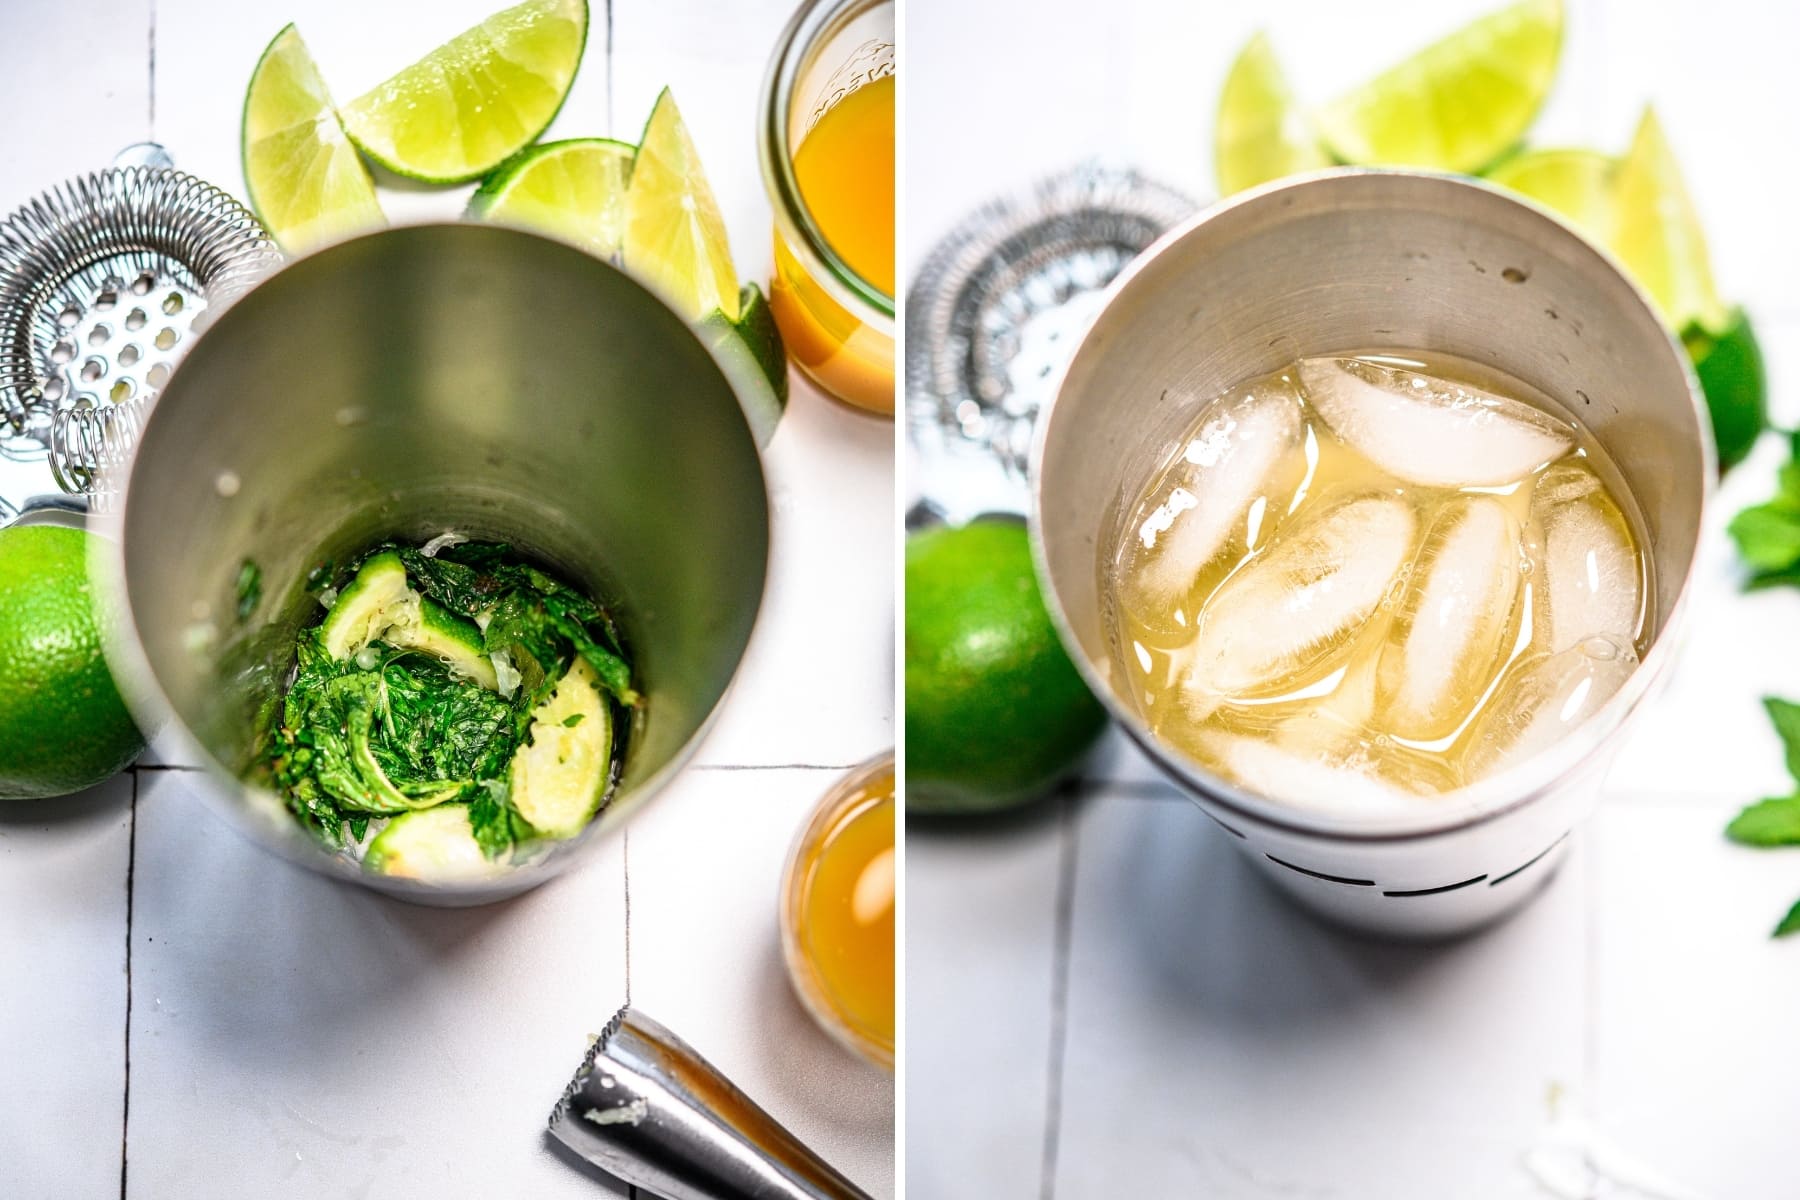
column 558, row 777
column 674, row 232
column 753, row 358
column 1260, row 133
column 304, row 178
column 1730, row 369
column 1575, row 184
column 574, row 190
column 1458, row 104
column 1657, row 234
column 476, row 100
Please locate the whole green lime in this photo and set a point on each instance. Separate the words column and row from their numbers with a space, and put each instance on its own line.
column 62, row 725
column 995, row 711
column 1730, row 369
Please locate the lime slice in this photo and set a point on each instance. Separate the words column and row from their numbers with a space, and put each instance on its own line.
column 1260, row 133
column 1458, row 104
column 558, row 777
column 674, row 233
column 476, row 100
column 753, row 358
column 1576, row 184
column 368, row 606
column 1730, row 368
column 303, row 175
column 434, row 844
column 574, row 190
column 1657, row 233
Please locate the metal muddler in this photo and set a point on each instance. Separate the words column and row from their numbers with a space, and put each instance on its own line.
column 647, row 1109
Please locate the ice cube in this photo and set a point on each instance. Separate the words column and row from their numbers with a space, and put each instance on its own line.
column 1451, row 620
column 1428, row 430
column 1344, row 776
column 1542, row 698
column 1291, row 610
column 1591, row 582
column 1205, row 503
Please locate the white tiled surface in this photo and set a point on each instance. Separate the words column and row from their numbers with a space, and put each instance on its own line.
column 63, row 892
column 981, row 942
column 1105, row 1001
column 290, row 1037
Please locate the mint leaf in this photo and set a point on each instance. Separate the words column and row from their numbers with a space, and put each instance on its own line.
column 1790, row 923
column 573, row 720
column 1786, row 716
column 1763, row 580
column 1768, row 535
column 1773, row 822
column 496, row 824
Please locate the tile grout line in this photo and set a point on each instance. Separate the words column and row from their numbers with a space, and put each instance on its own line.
column 150, row 79
column 625, row 854
column 130, row 890
column 791, row 766
column 609, row 102
column 1059, row 993
column 1590, row 1024
column 1592, row 1008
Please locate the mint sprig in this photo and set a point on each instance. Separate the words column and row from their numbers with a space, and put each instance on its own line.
column 1776, row 821
column 1768, row 534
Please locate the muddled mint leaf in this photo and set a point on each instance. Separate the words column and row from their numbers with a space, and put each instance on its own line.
column 249, row 588
column 493, row 820
column 395, row 729
column 1772, row 822
column 573, row 720
column 1790, row 923
column 320, row 577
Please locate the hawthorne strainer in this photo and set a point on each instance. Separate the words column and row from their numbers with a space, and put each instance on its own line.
column 996, row 310
column 104, row 281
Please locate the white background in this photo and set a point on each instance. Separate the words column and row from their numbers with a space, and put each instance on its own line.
column 288, row 1036
column 1103, row 1001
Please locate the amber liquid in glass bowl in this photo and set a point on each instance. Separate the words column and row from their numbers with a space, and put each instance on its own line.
column 837, row 913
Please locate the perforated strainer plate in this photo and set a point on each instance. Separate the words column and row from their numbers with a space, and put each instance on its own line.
column 998, row 308
column 102, row 283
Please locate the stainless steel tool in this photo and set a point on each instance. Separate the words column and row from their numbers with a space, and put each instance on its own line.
column 996, row 310
column 103, row 282
column 646, row 1108
column 1349, row 261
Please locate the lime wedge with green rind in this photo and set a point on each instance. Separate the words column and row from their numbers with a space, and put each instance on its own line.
column 1657, row 233
column 674, row 232
column 305, row 180
column 1729, row 366
column 558, row 777
column 1260, row 132
column 574, row 190
column 750, row 352
column 1575, row 184
column 1460, row 103
column 478, row 99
